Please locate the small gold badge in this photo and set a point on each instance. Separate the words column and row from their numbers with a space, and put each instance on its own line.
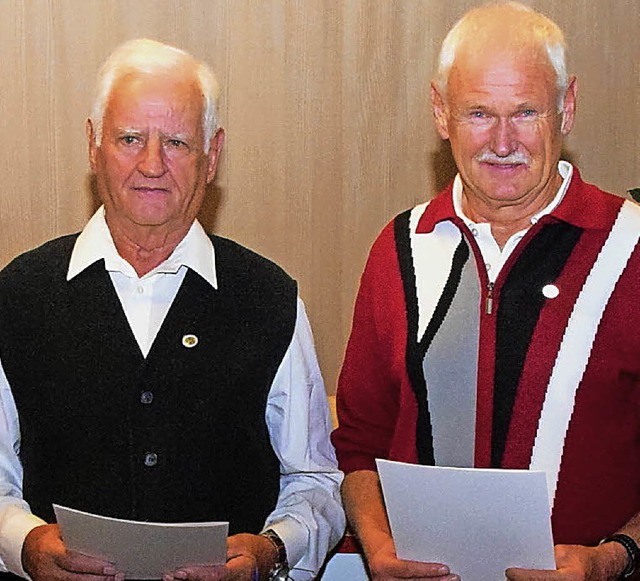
column 189, row 341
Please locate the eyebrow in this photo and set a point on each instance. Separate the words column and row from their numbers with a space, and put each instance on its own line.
column 180, row 136
column 128, row 130
column 186, row 137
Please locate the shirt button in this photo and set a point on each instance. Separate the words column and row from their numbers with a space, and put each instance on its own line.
column 146, row 397
column 140, row 290
column 474, row 231
column 150, row 459
column 488, row 266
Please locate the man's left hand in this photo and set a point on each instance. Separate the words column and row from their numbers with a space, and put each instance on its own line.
column 577, row 563
column 249, row 558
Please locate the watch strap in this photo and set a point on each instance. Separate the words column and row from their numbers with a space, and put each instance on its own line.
column 633, row 552
column 280, row 570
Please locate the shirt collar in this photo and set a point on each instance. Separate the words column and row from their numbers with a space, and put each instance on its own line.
column 195, row 251
column 449, row 205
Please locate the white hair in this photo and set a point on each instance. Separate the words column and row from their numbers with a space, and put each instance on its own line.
column 530, row 26
column 143, row 55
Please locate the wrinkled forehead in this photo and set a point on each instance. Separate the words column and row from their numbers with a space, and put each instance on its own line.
column 174, row 84
column 145, row 95
column 473, row 55
column 502, row 64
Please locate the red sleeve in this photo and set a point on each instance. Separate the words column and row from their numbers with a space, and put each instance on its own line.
column 372, row 383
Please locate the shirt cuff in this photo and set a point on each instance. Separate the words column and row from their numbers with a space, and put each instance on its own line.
column 15, row 525
column 294, row 536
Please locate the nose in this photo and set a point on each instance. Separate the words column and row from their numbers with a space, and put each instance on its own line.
column 152, row 163
column 503, row 140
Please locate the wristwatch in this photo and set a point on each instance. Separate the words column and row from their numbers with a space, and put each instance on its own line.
column 280, row 571
column 633, row 552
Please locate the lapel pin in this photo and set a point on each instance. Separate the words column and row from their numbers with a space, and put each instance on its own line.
column 550, row 291
column 189, row 341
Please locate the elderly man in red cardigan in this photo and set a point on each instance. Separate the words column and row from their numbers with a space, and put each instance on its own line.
column 497, row 325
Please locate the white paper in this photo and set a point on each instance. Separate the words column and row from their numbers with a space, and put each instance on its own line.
column 143, row 550
column 479, row 522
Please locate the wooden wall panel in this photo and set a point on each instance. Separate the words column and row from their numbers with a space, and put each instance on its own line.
column 325, row 105
column 605, row 54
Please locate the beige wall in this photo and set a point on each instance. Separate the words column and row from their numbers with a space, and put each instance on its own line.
column 324, row 104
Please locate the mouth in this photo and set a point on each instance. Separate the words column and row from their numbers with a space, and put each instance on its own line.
column 495, row 165
column 150, row 190
column 503, row 167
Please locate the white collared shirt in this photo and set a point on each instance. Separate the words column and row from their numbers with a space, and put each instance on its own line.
column 495, row 257
column 147, row 299
column 308, row 515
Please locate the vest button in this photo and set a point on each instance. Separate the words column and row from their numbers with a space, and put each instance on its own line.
column 150, row 459
column 146, row 397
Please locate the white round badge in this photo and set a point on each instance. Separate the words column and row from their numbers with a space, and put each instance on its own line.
column 550, row 291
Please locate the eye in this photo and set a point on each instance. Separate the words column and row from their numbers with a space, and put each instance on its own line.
column 177, row 144
column 528, row 113
column 128, row 139
column 480, row 117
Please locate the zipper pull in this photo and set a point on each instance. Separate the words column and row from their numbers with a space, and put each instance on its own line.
column 489, row 301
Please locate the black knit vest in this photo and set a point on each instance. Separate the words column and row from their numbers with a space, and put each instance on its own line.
column 178, row 436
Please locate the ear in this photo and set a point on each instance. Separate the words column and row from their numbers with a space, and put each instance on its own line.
column 440, row 112
column 569, row 106
column 215, row 149
column 91, row 140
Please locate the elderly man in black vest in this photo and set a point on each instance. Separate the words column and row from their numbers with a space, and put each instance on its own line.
column 150, row 371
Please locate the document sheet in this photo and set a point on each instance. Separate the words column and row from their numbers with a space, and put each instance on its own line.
column 479, row 522
column 143, row 550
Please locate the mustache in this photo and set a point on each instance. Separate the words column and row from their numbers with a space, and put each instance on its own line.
column 516, row 157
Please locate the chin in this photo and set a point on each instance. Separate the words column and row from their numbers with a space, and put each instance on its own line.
column 150, row 219
column 151, row 214
column 503, row 191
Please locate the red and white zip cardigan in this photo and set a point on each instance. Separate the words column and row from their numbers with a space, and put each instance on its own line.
column 540, row 370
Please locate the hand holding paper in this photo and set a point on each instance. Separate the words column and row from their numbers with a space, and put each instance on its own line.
column 248, row 557
column 599, row 563
column 478, row 522
column 143, row 550
column 45, row 557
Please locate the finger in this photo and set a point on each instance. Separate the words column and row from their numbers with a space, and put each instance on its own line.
column 198, row 573
column 78, row 563
column 243, row 567
column 237, row 567
column 515, row 574
column 411, row 569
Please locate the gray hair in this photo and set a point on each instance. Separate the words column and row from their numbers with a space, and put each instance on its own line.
column 143, row 55
column 532, row 27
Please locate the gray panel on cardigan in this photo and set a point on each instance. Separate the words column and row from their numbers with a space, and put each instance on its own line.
column 450, row 370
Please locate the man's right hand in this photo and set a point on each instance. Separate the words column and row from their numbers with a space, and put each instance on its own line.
column 367, row 516
column 384, row 565
column 45, row 558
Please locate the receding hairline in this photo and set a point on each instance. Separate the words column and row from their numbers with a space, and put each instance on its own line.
column 162, row 82
column 171, row 75
column 504, row 25
column 146, row 56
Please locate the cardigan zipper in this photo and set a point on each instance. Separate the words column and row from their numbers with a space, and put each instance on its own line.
column 489, row 300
